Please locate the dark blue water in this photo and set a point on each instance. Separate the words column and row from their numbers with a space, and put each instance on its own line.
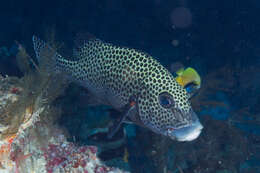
column 220, row 39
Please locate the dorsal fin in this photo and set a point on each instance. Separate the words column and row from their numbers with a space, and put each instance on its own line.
column 82, row 38
column 85, row 43
column 47, row 56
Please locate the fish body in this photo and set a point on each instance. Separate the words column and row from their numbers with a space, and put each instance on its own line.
column 132, row 82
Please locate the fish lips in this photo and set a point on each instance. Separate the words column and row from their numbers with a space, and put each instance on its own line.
column 186, row 133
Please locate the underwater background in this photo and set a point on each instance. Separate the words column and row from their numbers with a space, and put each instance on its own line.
column 220, row 39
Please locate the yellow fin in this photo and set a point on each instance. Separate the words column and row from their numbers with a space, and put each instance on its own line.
column 189, row 75
column 180, row 71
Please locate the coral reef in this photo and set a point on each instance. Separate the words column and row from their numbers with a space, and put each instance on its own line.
column 29, row 139
column 46, row 149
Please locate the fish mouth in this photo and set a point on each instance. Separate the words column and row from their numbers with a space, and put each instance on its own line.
column 186, row 133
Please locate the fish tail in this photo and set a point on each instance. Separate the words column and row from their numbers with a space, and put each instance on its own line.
column 48, row 59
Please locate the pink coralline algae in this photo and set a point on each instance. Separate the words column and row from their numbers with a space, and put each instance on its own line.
column 57, row 155
column 46, row 150
column 69, row 157
column 67, row 154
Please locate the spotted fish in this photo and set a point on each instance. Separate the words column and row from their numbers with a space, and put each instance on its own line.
column 132, row 82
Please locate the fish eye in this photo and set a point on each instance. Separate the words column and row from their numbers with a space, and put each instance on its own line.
column 165, row 100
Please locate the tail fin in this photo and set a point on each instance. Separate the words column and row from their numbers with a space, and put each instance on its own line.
column 47, row 56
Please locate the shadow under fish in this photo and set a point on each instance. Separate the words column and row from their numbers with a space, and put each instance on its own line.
column 110, row 147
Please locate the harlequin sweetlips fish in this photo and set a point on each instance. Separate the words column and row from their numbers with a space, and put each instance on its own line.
column 132, row 82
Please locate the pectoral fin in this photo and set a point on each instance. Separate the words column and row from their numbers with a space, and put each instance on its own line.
column 128, row 111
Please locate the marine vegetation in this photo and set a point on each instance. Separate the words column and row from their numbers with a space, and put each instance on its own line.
column 31, row 141
column 35, row 89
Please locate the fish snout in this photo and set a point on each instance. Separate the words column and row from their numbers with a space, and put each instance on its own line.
column 186, row 133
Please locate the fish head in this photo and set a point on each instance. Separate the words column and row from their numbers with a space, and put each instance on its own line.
column 164, row 108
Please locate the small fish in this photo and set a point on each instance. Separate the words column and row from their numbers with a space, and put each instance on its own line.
column 189, row 79
column 132, row 82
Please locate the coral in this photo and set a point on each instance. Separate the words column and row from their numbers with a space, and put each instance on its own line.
column 9, row 95
column 5, row 148
column 68, row 157
column 27, row 153
column 25, row 100
column 29, row 140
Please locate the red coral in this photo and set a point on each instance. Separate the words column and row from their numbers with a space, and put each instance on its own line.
column 15, row 90
column 93, row 149
column 100, row 170
column 18, row 156
column 67, row 155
